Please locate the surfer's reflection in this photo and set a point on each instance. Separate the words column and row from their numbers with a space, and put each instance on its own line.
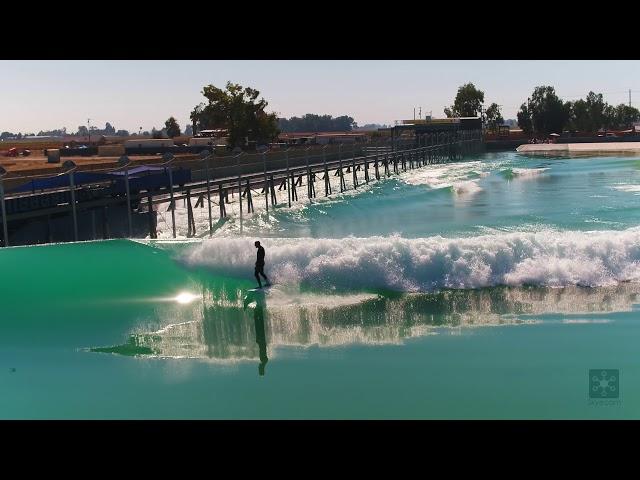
column 258, row 297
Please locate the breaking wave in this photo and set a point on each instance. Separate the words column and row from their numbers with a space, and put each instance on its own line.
column 511, row 173
column 545, row 258
column 466, row 187
column 627, row 188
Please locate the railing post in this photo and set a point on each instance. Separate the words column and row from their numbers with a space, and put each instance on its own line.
column 5, row 229
column 353, row 163
column 124, row 162
column 239, row 187
column 340, row 166
column 152, row 228
column 327, row 182
column 71, row 168
column 288, row 177
column 266, row 183
column 306, row 159
column 168, row 157
column 205, row 156
column 366, row 165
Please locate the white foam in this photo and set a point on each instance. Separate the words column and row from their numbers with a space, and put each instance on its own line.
column 528, row 172
column 445, row 175
column 628, row 188
column 545, row 258
column 466, row 187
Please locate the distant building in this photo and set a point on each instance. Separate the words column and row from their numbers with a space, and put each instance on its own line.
column 322, row 138
column 404, row 128
column 38, row 138
column 218, row 132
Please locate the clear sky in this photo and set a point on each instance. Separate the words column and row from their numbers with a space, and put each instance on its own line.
column 43, row 95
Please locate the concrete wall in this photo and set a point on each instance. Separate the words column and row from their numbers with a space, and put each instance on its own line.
column 566, row 148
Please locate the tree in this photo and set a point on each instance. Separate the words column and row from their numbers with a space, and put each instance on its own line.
column 547, row 112
column 524, row 119
column 579, row 119
column 622, row 116
column 122, row 133
column 82, row 131
column 593, row 114
column 238, row 110
column 109, row 129
column 58, row 132
column 468, row 102
column 157, row 133
column 188, row 130
column 173, row 129
column 494, row 117
column 596, row 107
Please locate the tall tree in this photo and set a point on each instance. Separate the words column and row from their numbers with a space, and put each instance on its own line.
column 549, row 114
column 494, row 116
column 524, row 119
column 237, row 109
column 468, row 102
column 173, row 129
column 579, row 119
column 188, row 130
column 596, row 108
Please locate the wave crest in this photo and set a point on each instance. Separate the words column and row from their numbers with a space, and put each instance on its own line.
column 546, row 258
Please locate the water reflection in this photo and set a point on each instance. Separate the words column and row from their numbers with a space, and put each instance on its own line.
column 259, row 297
column 227, row 328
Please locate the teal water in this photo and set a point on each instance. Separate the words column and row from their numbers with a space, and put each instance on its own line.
column 483, row 289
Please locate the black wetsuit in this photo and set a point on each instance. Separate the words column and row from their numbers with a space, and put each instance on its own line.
column 260, row 265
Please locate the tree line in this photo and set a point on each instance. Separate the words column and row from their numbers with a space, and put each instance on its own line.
column 544, row 112
column 171, row 129
column 317, row 123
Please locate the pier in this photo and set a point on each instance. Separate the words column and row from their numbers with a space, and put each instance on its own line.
column 125, row 201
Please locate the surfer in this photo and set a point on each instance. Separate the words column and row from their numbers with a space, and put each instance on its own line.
column 260, row 265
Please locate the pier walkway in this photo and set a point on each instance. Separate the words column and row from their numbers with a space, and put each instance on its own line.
column 300, row 174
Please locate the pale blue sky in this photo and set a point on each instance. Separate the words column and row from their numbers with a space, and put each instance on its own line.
column 42, row 95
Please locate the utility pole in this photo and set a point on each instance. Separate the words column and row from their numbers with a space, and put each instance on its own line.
column 420, row 113
column 414, row 113
column 629, row 97
column 89, row 130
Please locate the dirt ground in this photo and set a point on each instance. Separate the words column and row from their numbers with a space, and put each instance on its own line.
column 21, row 169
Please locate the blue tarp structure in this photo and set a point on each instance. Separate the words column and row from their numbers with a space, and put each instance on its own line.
column 62, row 181
column 140, row 178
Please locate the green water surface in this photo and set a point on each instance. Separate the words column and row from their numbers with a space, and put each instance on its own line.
column 127, row 330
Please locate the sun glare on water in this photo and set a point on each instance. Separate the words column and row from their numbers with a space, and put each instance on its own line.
column 185, row 297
